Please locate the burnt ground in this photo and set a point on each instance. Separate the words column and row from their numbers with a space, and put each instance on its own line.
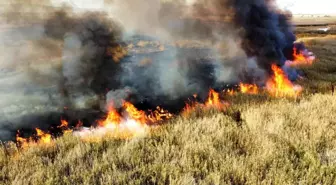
column 30, row 101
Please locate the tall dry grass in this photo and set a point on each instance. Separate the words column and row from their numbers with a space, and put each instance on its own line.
column 277, row 142
column 259, row 140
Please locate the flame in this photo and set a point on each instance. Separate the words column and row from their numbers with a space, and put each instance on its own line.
column 189, row 108
column 213, row 101
column 23, row 142
column 300, row 58
column 248, row 88
column 279, row 85
column 159, row 115
column 44, row 138
column 230, row 92
column 131, row 123
column 64, row 124
column 113, row 118
column 134, row 113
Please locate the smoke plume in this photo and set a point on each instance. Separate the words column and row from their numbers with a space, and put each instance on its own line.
column 63, row 63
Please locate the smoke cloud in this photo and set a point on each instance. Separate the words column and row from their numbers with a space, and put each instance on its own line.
column 148, row 52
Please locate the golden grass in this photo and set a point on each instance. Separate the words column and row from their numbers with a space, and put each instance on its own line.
column 279, row 142
column 258, row 140
column 321, row 75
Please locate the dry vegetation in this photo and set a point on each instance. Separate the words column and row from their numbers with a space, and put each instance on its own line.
column 278, row 141
column 322, row 75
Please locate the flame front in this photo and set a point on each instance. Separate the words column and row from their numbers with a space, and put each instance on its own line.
column 301, row 58
column 248, row 88
column 134, row 113
column 280, row 86
column 64, row 124
column 44, row 138
column 132, row 122
column 213, row 101
column 159, row 115
column 113, row 118
column 23, row 142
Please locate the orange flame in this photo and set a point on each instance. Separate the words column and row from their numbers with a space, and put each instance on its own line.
column 134, row 113
column 279, row 85
column 23, row 142
column 159, row 115
column 189, row 108
column 64, row 124
column 135, row 123
column 213, row 101
column 301, row 59
column 230, row 92
column 248, row 88
column 113, row 118
column 44, row 138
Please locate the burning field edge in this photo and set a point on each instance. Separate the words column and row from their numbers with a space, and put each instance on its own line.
column 256, row 139
column 256, row 143
column 263, row 113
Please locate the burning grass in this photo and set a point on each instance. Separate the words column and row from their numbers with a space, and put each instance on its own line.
column 280, row 142
column 320, row 77
column 257, row 139
column 126, row 123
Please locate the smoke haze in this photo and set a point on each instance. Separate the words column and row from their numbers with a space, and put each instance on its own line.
column 149, row 52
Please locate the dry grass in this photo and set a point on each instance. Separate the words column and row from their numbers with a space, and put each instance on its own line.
column 280, row 142
column 320, row 76
column 277, row 141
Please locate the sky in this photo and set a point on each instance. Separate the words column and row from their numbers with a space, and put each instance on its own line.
column 295, row 6
column 309, row 6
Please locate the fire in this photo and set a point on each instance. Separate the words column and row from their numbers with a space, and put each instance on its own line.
column 113, row 118
column 301, row 58
column 115, row 124
column 189, row 108
column 213, row 101
column 132, row 122
column 129, row 123
column 159, row 115
column 44, row 138
column 134, row 113
column 279, row 85
column 23, row 142
column 248, row 88
column 64, row 124
column 230, row 92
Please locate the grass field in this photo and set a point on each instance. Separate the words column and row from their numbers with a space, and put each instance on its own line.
column 258, row 140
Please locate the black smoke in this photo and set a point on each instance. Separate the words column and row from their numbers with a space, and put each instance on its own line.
column 267, row 32
column 101, row 64
column 89, row 61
